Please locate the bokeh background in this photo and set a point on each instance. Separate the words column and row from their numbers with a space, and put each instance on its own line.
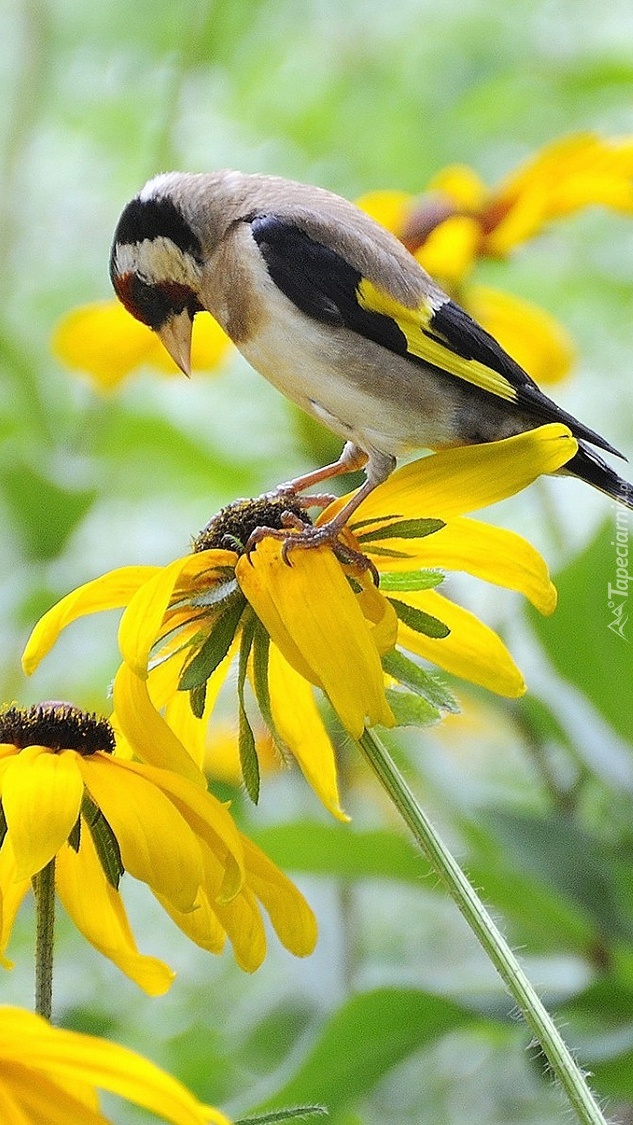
column 397, row 1017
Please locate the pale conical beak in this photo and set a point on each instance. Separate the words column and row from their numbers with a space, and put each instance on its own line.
column 175, row 335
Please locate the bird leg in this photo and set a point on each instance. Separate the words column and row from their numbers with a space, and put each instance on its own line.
column 328, row 533
column 351, row 458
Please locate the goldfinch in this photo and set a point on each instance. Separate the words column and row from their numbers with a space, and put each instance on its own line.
column 332, row 310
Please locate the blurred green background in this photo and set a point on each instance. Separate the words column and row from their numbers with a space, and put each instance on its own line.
column 397, row 1017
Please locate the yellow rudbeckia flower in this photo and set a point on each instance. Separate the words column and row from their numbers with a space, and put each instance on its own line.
column 68, row 795
column 459, row 220
column 103, row 341
column 317, row 621
column 49, row 1075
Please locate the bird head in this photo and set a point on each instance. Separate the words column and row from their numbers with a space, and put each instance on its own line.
column 156, row 264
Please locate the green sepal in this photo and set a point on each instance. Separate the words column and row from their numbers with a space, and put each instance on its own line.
column 293, row 1113
column 394, row 580
column 215, row 595
column 418, row 620
column 411, row 710
column 403, row 529
column 197, row 699
column 246, row 739
column 74, row 838
column 216, row 645
column 418, row 680
column 104, row 840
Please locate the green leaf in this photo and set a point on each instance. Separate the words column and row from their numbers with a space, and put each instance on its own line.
column 246, row 739
column 567, row 858
column 403, row 529
column 419, row 620
column 590, row 637
column 418, row 680
column 369, row 1035
column 410, row 579
column 216, row 646
column 323, row 849
column 411, row 710
column 44, row 513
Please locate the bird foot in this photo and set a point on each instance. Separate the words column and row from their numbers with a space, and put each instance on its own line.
column 309, row 537
column 290, row 491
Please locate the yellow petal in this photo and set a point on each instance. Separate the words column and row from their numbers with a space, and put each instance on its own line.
column 487, row 552
column 142, row 623
column 146, row 731
column 12, row 893
column 389, row 208
column 143, row 619
column 111, row 591
column 201, row 925
column 471, row 651
column 309, row 606
column 98, row 913
column 455, row 481
column 41, row 796
column 71, row 1056
column 449, row 252
column 157, row 845
column 565, row 176
column 42, row 1099
column 301, row 729
column 209, row 818
column 528, row 333
column 107, row 343
column 462, row 185
column 292, row 919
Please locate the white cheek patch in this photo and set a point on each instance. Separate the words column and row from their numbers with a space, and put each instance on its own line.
column 156, row 260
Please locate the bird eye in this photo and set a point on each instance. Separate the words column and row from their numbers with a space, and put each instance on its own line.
column 153, row 304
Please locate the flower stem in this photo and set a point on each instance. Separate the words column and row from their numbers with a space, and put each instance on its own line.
column 482, row 925
column 44, row 891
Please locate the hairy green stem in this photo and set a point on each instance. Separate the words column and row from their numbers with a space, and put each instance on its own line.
column 44, row 891
column 446, row 867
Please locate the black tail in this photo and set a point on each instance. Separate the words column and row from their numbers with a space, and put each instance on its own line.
column 589, row 466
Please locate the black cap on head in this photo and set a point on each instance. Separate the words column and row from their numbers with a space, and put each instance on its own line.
column 155, row 218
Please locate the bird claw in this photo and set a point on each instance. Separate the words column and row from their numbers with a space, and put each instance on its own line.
column 308, row 538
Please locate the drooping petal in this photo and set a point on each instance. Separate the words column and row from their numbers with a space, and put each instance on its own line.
column 98, row 913
column 103, row 340
column 309, row 606
column 12, row 894
column 471, row 651
column 146, row 731
column 455, row 481
column 157, row 845
column 292, row 919
column 528, row 333
column 142, row 622
column 301, row 729
column 491, row 553
column 209, row 818
column 41, row 796
column 70, row 1055
column 111, row 591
